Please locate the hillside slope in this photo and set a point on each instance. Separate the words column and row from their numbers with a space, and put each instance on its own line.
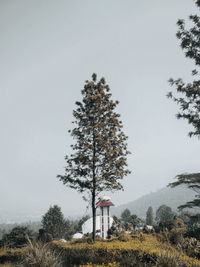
column 172, row 197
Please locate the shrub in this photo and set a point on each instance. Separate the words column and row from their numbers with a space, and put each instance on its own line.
column 40, row 255
column 10, row 255
column 170, row 260
column 195, row 232
column 191, row 246
column 176, row 236
column 163, row 237
column 124, row 237
column 83, row 240
column 17, row 238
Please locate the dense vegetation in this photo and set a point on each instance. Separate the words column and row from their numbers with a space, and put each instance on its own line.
column 122, row 250
column 173, row 241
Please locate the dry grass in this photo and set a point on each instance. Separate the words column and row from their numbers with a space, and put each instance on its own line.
column 147, row 246
column 111, row 264
column 40, row 255
column 166, row 259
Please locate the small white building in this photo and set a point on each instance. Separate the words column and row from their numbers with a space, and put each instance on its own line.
column 105, row 219
column 87, row 226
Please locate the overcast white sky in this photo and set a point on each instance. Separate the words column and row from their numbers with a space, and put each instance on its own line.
column 47, row 50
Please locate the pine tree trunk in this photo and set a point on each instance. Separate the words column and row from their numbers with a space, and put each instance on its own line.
column 94, row 190
column 93, row 216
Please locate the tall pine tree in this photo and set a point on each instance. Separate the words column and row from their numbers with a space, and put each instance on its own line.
column 99, row 159
column 188, row 96
column 54, row 223
column 189, row 101
column 149, row 216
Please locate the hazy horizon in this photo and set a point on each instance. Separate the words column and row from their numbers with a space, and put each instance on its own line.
column 48, row 49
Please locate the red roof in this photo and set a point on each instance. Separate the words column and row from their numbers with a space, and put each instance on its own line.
column 104, row 204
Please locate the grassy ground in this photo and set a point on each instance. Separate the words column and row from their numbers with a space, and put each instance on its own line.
column 131, row 250
column 142, row 247
column 6, row 265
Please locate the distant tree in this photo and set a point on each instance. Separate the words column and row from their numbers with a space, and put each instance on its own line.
column 2, row 233
column 18, row 237
column 44, row 236
column 149, row 216
column 164, row 214
column 126, row 216
column 116, row 227
column 99, row 161
column 135, row 220
column 54, row 223
column 189, row 102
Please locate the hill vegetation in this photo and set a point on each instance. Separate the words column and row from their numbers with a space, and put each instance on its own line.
column 172, row 197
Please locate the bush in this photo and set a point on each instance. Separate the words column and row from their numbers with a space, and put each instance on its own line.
column 176, row 236
column 193, row 233
column 10, row 255
column 163, row 237
column 17, row 238
column 169, row 260
column 124, row 237
column 40, row 255
column 191, row 246
column 84, row 240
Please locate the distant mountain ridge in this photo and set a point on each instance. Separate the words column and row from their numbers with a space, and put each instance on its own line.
column 172, row 197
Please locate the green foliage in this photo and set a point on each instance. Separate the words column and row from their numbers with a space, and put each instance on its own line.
column 54, row 223
column 99, row 159
column 193, row 182
column 191, row 246
column 135, row 221
column 126, row 216
column 74, row 226
column 149, row 216
column 129, row 220
column 189, row 102
column 6, row 228
column 100, row 146
column 164, row 215
column 17, row 237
